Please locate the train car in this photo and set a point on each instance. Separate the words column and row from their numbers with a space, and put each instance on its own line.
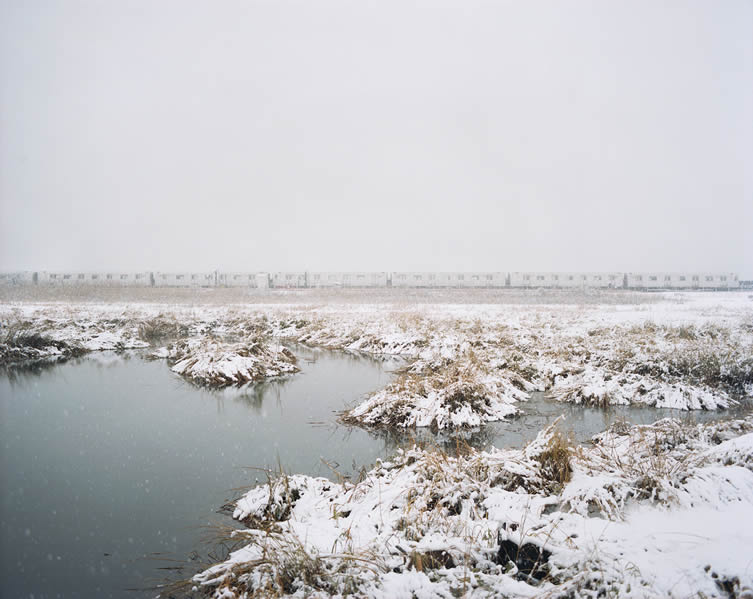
column 347, row 279
column 414, row 279
column 103, row 279
column 285, row 280
column 325, row 279
column 236, row 279
column 364, row 279
column 425, row 279
column 641, row 280
column 461, row 280
column 711, row 280
column 605, row 280
column 527, row 279
column 570, row 280
column 682, row 280
column 185, row 279
column 567, row 280
column 485, row 279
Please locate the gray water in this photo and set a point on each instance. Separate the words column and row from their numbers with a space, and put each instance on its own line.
column 111, row 466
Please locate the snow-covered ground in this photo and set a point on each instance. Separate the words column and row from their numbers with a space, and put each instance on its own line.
column 651, row 511
column 655, row 511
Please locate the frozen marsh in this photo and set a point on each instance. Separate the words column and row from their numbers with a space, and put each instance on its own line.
column 619, row 515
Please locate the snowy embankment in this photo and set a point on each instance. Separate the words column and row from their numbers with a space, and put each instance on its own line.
column 60, row 338
column 647, row 511
column 20, row 347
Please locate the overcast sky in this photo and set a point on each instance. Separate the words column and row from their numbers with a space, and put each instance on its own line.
column 360, row 135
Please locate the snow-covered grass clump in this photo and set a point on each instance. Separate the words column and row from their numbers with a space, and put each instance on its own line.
column 466, row 391
column 647, row 511
column 217, row 364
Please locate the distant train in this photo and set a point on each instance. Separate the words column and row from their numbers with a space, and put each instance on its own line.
column 307, row 279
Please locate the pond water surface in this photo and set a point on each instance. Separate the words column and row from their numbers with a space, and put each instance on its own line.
column 110, row 466
column 107, row 461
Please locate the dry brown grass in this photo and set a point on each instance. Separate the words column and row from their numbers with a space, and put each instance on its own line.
column 556, row 459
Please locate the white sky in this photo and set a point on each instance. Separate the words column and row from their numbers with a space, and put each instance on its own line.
column 360, row 135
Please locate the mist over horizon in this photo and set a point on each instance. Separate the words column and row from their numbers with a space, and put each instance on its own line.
column 359, row 136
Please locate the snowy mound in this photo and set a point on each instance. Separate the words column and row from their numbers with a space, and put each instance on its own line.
column 220, row 365
column 462, row 394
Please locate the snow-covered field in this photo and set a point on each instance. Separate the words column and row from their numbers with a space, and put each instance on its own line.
column 646, row 511
column 470, row 363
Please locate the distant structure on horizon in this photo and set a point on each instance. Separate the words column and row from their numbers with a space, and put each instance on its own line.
column 418, row 280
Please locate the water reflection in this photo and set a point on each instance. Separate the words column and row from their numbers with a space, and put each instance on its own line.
column 22, row 373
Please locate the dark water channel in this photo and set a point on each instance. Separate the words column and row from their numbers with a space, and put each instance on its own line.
column 111, row 466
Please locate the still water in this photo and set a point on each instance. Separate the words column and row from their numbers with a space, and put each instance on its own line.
column 111, row 466
column 107, row 461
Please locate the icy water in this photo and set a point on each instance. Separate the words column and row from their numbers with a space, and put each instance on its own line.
column 111, row 466
column 107, row 462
